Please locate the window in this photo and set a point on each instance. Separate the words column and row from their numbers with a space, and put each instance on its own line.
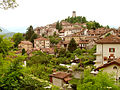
column 111, row 49
column 105, row 58
column 115, row 67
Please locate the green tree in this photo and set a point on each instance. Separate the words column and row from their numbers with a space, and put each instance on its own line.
column 101, row 81
column 107, row 27
column 0, row 30
column 34, row 36
column 84, row 20
column 23, row 51
column 72, row 45
column 30, row 34
column 58, row 26
column 78, row 51
column 13, row 78
column 5, row 45
column 39, row 58
column 62, row 52
column 108, row 34
column 17, row 38
column 5, row 4
column 93, row 25
column 54, row 40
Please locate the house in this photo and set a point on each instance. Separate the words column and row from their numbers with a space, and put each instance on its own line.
column 68, row 31
column 83, row 44
column 111, row 67
column 69, row 37
column 27, row 45
column 48, row 50
column 41, row 43
column 108, row 31
column 65, row 32
column 40, row 30
column 66, row 24
column 63, row 44
column 60, row 78
column 107, row 49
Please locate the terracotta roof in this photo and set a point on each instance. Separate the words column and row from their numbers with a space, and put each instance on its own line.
column 60, row 75
column 26, row 42
column 67, row 79
column 48, row 50
column 64, row 23
column 62, row 31
column 83, row 42
column 41, row 38
column 109, row 40
column 116, row 61
column 66, row 42
column 73, row 35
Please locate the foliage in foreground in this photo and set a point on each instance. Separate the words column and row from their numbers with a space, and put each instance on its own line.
column 102, row 81
column 13, row 77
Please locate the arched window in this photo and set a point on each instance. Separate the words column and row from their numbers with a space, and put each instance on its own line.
column 115, row 67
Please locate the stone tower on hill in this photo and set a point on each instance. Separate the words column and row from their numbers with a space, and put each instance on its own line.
column 74, row 14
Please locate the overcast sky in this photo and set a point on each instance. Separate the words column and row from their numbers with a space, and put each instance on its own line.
column 43, row 12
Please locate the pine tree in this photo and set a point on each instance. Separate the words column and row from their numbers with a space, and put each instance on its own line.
column 60, row 27
column 29, row 33
column 72, row 45
column 57, row 25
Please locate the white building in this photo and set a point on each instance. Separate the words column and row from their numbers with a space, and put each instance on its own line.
column 107, row 49
column 41, row 43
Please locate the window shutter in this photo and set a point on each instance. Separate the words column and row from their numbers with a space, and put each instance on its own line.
column 109, row 49
column 113, row 49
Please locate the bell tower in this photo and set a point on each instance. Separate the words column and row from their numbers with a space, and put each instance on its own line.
column 74, row 14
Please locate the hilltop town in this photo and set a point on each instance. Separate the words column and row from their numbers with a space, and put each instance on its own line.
column 68, row 55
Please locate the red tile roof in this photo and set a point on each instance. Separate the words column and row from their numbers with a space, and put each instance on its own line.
column 66, row 42
column 67, row 79
column 26, row 42
column 73, row 35
column 109, row 40
column 41, row 38
column 83, row 42
column 60, row 75
column 48, row 50
column 62, row 31
column 116, row 61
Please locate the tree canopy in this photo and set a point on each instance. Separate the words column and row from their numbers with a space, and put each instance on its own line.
column 5, row 45
column 59, row 26
column 5, row 4
column 72, row 45
column 30, row 34
column 102, row 81
column 17, row 38
column 78, row 19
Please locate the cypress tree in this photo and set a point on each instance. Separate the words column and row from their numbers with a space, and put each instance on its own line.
column 72, row 45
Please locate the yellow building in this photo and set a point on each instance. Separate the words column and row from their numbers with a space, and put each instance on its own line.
column 27, row 45
column 69, row 37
